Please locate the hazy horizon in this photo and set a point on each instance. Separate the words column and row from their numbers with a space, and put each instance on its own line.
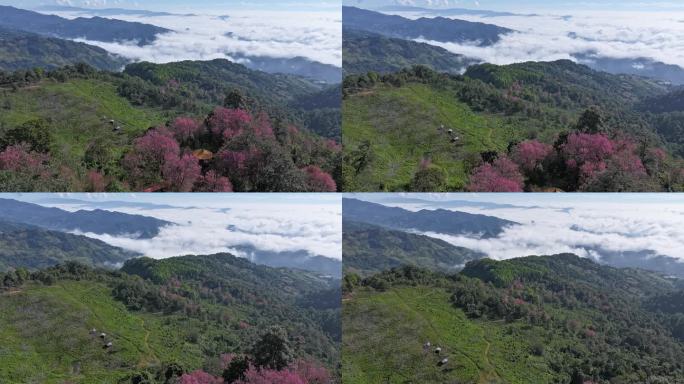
column 589, row 225
column 215, row 223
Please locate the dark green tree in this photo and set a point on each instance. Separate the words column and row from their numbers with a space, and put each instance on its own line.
column 429, row 179
column 235, row 100
column 236, row 369
column 35, row 133
column 591, row 121
column 273, row 349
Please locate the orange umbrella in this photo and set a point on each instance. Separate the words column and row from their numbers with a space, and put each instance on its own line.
column 203, row 154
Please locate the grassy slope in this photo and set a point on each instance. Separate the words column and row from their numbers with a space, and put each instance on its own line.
column 45, row 333
column 402, row 123
column 76, row 111
column 384, row 333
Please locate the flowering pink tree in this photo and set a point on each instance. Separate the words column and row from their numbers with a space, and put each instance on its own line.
column 529, row 154
column 20, row 159
column 270, row 376
column 185, row 129
column 502, row 175
column 587, row 153
column 96, row 182
column 312, row 372
column 144, row 163
column 262, row 126
column 626, row 158
column 233, row 160
column 200, row 377
column 319, row 181
column 213, row 182
column 181, row 173
column 227, row 123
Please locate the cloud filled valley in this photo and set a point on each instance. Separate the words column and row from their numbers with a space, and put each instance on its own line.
column 637, row 228
column 314, row 35
column 229, row 224
column 580, row 36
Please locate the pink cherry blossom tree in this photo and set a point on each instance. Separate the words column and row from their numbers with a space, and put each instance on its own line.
column 19, row 158
column 186, row 129
column 319, row 181
column 144, row 163
column 199, row 377
column 530, row 154
column 502, row 175
column 226, row 123
column 96, row 181
column 213, row 182
column 180, row 173
column 587, row 153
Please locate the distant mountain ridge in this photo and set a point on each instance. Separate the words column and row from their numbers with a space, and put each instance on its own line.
column 30, row 247
column 25, row 50
column 367, row 51
column 298, row 66
column 96, row 221
column 369, row 249
column 102, row 11
column 292, row 259
column 96, row 28
column 438, row 29
column 639, row 66
column 439, row 221
column 445, row 11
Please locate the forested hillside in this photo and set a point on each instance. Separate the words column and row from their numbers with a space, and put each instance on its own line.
column 96, row 221
column 218, row 127
column 508, row 128
column 365, row 52
column 188, row 318
column 425, row 220
column 21, row 50
column 438, row 29
column 553, row 319
column 32, row 248
column 369, row 249
column 96, row 28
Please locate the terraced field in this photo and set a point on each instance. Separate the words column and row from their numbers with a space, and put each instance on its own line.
column 46, row 333
column 403, row 126
column 384, row 336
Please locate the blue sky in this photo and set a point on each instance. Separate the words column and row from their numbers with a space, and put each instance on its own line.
column 537, row 199
column 185, row 5
column 531, row 5
column 201, row 200
column 329, row 5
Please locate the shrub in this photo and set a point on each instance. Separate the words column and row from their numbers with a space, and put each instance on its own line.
column 429, row 178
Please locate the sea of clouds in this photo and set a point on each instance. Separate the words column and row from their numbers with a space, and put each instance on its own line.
column 655, row 35
column 586, row 229
column 315, row 35
column 271, row 225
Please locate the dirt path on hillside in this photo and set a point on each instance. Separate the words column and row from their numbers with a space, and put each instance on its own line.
column 434, row 329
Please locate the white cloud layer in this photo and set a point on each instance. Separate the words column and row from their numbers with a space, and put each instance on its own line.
column 586, row 229
column 268, row 226
column 620, row 35
column 280, row 34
